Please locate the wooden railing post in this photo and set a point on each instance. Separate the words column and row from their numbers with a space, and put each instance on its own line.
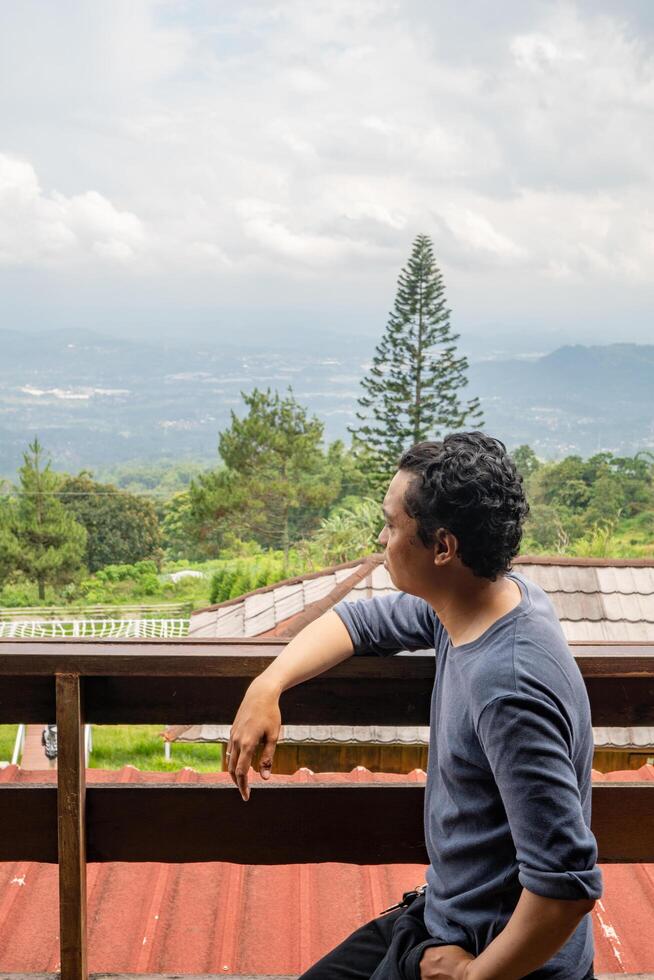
column 71, row 827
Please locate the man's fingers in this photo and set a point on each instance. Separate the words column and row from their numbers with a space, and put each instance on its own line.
column 241, row 770
column 231, row 757
column 242, row 783
column 266, row 760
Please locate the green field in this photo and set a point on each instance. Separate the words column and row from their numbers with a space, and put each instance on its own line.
column 7, row 739
column 115, row 746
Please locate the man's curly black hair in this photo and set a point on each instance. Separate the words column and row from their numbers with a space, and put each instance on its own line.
column 469, row 485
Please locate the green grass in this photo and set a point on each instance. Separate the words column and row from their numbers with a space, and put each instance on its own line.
column 115, row 746
column 7, row 739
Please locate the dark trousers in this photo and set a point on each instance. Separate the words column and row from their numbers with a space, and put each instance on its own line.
column 389, row 947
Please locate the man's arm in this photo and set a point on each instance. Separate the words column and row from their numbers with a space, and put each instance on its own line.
column 319, row 646
column 383, row 625
column 525, row 740
column 534, row 933
column 389, row 623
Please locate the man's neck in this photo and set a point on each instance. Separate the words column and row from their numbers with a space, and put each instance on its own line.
column 468, row 605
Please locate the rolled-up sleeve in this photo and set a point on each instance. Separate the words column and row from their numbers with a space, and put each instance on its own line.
column 388, row 624
column 526, row 742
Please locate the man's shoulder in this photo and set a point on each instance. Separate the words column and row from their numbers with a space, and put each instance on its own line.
column 529, row 657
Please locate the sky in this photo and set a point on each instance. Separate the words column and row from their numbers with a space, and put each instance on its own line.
column 259, row 170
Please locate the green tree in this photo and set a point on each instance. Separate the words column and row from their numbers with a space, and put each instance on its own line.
column 122, row 528
column 42, row 540
column 177, row 527
column 412, row 389
column 7, row 540
column 566, row 484
column 526, row 461
column 276, row 482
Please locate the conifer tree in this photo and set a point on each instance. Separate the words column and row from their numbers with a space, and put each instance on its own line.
column 412, row 391
column 42, row 540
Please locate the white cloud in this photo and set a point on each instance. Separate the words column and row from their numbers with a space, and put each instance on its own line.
column 37, row 227
column 474, row 231
column 300, row 140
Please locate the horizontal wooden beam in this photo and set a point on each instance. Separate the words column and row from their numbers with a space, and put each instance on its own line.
column 201, row 685
column 28, row 822
column 280, row 824
column 247, row 657
column 391, row 699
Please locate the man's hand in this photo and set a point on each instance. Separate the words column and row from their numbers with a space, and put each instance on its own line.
column 258, row 719
column 445, row 963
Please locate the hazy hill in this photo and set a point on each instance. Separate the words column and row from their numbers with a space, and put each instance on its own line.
column 95, row 400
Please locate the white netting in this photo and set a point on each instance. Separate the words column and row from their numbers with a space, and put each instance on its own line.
column 95, row 628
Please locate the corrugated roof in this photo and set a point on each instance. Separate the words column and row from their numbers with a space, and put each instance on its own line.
column 631, row 738
column 603, row 737
column 269, row 610
column 289, row 734
column 596, row 599
column 241, row 919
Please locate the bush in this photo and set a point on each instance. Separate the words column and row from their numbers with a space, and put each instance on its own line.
column 243, row 575
column 19, row 594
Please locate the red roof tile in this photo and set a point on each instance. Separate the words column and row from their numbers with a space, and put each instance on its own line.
column 228, row 918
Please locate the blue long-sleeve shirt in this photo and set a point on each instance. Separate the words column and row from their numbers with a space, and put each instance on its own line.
column 508, row 793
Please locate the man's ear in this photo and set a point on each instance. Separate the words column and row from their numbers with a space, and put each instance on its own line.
column 440, row 545
column 445, row 547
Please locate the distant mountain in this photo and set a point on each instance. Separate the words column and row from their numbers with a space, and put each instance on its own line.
column 622, row 372
column 95, row 401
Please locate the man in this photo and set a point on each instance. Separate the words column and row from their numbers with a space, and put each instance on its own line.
column 512, row 875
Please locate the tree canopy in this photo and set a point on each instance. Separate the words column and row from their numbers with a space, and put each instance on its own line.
column 122, row 528
column 38, row 537
column 277, row 481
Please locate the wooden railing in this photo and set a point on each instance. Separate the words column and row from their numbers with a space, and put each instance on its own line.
column 78, row 682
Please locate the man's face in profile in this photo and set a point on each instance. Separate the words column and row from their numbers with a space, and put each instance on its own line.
column 409, row 563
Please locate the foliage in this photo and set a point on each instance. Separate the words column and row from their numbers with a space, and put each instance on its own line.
column 602, row 506
column 350, row 531
column 598, row 542
column 276, row 482
column 122, row 528
column 38, row 537
column 412, row 388
column 177, row 528
column 526, row 460
column 235, row 578
column 161, row 479
column 19, row 592
column 116, row 582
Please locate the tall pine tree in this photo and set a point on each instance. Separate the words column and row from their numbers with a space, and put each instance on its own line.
column 412, row 391
column 40, row 538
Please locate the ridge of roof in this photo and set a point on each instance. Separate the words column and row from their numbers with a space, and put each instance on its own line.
column 371, row 560
column 319, row 606
column 15, row 774
column 584, row 562
column 376, row 558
